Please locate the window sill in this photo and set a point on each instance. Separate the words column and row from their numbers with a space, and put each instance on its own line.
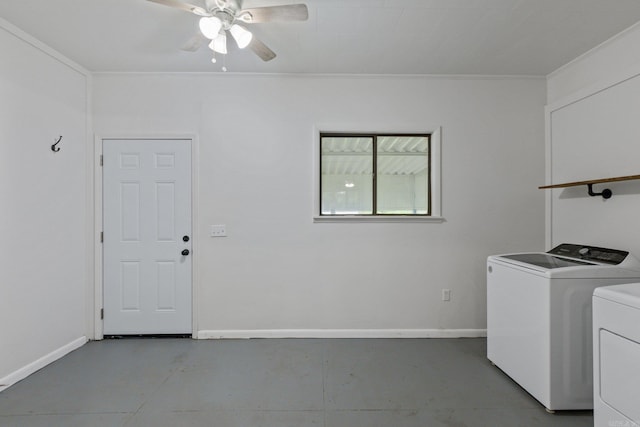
column 377, row 218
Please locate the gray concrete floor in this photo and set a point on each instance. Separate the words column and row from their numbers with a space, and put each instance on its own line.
column 276, row 383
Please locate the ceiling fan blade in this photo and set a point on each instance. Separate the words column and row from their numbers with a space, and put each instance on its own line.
column 291, row 12
column 194, row 43
column 183, row 6
column 261, row 49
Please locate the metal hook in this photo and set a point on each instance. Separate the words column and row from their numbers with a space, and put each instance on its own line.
column 54, row 148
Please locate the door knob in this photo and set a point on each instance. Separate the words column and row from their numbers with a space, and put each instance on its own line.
column 185, row 252
column 185, row 238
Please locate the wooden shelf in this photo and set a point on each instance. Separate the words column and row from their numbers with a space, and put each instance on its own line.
column 592, row 181
column 606, row 193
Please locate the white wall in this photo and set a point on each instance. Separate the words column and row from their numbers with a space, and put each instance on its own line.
column 43, row 251
column 277, row 270
column 594, row 133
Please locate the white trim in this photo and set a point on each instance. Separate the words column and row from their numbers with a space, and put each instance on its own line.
column 436, row 171
column 27, row 38
column 98, row 260
column 548, row 196
column 32, row 367
column 593, row 50
column 195, row 239
column 602, row 85
column 376, row 218
column 341, row 333
column 89, row 213
column 97, row 244
column 231, row 74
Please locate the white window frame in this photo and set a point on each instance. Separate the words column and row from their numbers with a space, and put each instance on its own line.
column 436, row 175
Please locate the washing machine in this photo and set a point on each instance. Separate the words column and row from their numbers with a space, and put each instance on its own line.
column 616, row 356
column 539, row 318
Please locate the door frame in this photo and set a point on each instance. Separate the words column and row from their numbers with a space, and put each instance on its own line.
column 98, row 262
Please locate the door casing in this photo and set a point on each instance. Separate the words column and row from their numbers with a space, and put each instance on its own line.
column 97, row 322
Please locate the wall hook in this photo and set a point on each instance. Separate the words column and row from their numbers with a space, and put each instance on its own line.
column 54, row 148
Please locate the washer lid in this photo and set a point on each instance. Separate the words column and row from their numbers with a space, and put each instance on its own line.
column 546, row 261
column 627, row 294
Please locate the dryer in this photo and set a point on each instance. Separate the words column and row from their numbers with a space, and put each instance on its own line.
column 616, row 355
column 539, row 322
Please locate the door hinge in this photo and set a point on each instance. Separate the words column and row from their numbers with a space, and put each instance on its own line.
column 101, row 160
column 102, row 313
column 102, row 237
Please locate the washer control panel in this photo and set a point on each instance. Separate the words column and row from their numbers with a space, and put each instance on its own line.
column 590, row 253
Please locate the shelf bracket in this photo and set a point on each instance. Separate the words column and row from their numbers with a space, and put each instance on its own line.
column 606, row 193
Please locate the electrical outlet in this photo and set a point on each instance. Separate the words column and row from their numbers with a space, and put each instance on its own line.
column 219, row 230
column 446, row 295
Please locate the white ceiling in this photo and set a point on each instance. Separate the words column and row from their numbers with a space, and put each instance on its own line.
column 512, row 37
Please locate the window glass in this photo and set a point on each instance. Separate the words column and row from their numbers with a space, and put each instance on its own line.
column 372, row 174
column 402, row 175
column 347, row 175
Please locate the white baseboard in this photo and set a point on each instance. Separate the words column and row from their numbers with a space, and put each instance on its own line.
column 32, row 367
column 341, row 333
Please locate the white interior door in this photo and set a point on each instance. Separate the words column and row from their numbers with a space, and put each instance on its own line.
column 147, row 236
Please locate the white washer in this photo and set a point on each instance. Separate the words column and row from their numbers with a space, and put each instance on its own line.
column 539, row 323
column 616, row 356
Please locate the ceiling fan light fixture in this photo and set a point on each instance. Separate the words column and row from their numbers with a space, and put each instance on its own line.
column 219, row 44
column 210, row 26
column 219, row 16
column 241, row 35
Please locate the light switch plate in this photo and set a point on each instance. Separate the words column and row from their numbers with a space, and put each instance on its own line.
column 219, row 230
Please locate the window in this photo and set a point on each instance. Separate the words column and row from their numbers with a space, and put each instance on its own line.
column 375, row 174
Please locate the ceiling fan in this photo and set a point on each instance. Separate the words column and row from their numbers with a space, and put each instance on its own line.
column 219, row 17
